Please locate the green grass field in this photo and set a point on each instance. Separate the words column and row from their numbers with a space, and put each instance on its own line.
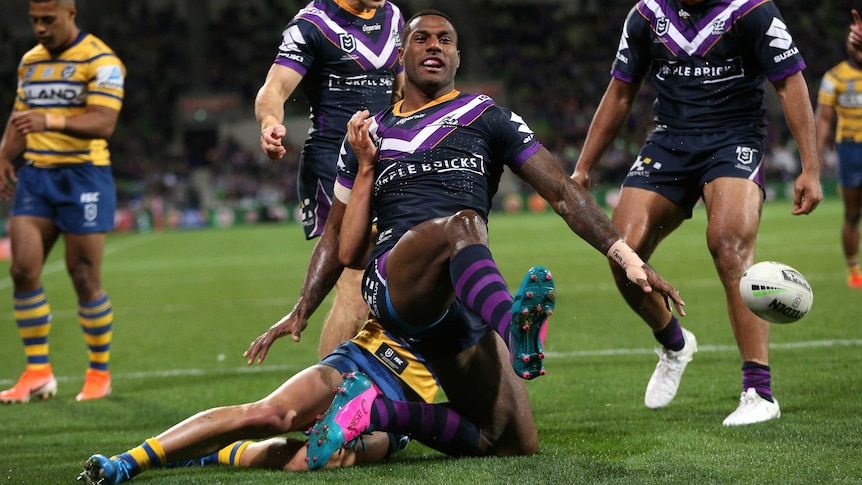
column 188, row 303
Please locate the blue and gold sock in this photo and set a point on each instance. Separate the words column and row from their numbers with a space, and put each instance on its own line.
column 149, row 454
column 230, row 454
column 33, row 316
column 96, row 319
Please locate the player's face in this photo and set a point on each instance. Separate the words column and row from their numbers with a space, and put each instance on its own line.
column 52, row 24
column 430, row 54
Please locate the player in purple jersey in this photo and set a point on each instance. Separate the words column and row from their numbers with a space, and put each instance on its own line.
column 427, row 168
column 344, row 55
column 707, row 59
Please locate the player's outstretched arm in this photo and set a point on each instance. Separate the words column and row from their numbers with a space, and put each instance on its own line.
column 322, row 273
column 583, row 215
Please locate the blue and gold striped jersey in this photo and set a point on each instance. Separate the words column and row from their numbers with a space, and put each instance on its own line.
column 87, row 73
column 841, row 88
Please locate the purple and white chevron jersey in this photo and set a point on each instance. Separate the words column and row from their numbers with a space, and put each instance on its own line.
column 439, row 160
column 707, row 61
column 348, row 63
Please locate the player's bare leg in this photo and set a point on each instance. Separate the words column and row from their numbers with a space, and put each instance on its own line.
column 347, row 314
column 645, row 218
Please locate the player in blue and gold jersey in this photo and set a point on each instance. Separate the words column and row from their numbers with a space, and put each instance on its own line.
column 220, row 435
column 343, row 53
column 840, row 97
column 708, row 61
column 70, row 91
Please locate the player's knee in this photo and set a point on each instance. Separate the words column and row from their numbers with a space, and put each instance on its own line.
column 23, row 275
column 467, row 225
column 266, row 418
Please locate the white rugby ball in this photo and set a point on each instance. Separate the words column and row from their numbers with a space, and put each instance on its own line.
column 776, row 292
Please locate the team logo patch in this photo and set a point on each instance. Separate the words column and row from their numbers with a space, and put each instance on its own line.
column 348, row 42
column 68, row 72
column 91, row 211
column 391, row 358
column 718, row 27
column 662, row 25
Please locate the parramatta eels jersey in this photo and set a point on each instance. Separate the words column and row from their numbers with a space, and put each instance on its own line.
column 348, row 61
column 87, row 73
column 443, row 158
column 399, row 358
column 707, row 61
column 841, row 88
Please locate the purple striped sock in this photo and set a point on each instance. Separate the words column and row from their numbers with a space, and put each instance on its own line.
column 757, row 376
column 480, row 286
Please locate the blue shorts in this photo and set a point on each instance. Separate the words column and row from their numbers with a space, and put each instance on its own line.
column 458, row 330
column 678, row 166
column 316, row 182
column 349, row 357
column 849, row 164
column 80, row 198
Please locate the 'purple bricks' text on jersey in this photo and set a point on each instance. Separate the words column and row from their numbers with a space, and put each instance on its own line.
column 707, row 61
column 348, row 63
column 439, row 160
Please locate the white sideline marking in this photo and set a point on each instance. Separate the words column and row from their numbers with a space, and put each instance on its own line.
column 577, row 353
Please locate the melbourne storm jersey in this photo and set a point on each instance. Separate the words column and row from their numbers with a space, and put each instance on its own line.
column 841, row 88
column 438, row 160
column 707, row 61
column 348, row 62
column 86, row 73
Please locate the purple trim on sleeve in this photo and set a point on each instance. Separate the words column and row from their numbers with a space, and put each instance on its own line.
column 525, row 155
column 786, row 72
column 299, row 68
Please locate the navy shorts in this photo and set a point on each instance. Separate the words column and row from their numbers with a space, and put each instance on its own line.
column 349, row 357
column 79, row 198
column 458, row 330
column 678, row 166
column 849, row 164
column 316, row 182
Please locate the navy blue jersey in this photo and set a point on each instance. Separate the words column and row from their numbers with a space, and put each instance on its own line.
column 348, row 63
column 436, row 161
column 707, row 61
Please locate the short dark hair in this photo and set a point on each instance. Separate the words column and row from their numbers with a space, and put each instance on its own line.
column 422, row 13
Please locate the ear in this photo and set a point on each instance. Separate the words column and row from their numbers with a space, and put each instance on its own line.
column 401, row 56
column 459, row 60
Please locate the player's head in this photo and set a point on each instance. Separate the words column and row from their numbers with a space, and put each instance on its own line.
column 429, row 51
column 54, row 23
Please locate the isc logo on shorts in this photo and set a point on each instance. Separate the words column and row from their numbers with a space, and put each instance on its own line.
column 89, row 197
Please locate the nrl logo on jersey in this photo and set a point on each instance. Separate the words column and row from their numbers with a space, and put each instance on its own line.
column 348, row 42
column 662, row 25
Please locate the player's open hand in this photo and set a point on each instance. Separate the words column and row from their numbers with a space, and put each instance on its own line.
column 670, row 294
column 855, row 36
column 27, row 122
column 271, row 141
column 289, row 324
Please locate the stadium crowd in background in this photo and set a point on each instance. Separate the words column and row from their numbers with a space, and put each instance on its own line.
column 555, row 80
